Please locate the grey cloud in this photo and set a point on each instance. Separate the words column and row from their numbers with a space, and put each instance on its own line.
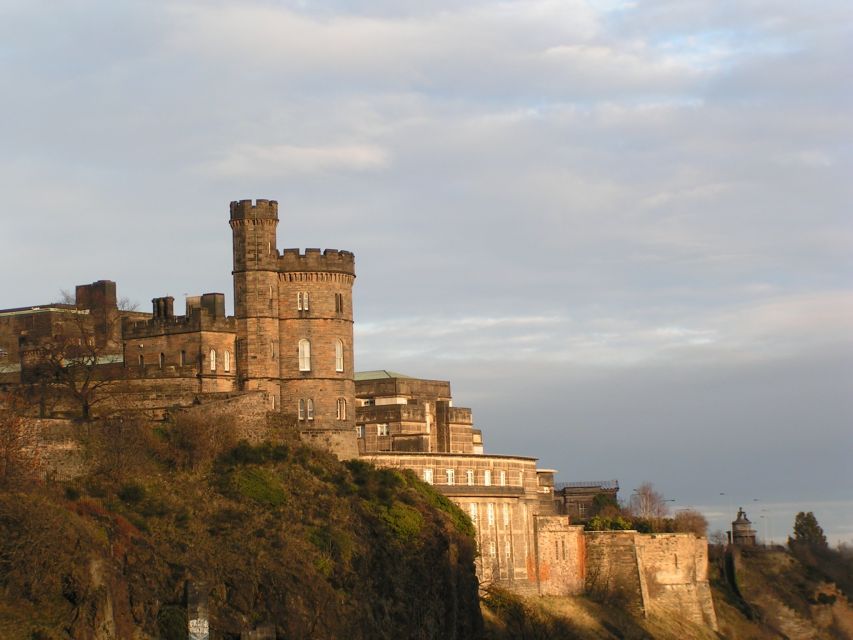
column 621, row 229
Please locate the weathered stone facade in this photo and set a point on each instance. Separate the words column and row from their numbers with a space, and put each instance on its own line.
column 284, row 365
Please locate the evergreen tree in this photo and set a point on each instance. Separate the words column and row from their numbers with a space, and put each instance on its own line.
column 808, row 532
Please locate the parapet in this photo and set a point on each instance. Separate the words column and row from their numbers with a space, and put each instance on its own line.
column 260, row 210
column 316, row 260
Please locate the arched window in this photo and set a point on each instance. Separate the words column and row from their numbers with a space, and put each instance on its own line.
column 162, row 360
column 469, row 477
column 342, row 409
column 310, row 409
column 183, row 358
column 339, row 355
column 304, row 355
column 141, row 360
column 213, row 359
column 302, row 301
column 301, row 409
column 226, row 361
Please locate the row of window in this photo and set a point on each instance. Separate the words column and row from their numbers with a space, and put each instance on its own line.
column 490, row 514
column 304, row 349
column 303, row 301
column 470, row 477
column 305, row 409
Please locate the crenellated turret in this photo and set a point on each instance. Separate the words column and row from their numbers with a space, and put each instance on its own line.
column 253, row 227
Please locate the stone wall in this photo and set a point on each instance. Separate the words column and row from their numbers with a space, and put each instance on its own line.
column 654, row 574
column 674, row 568
column 561, row 554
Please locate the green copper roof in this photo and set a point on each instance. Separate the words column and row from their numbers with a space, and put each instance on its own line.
column 378, row 374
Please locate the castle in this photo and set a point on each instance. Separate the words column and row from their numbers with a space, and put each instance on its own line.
column 285, row 361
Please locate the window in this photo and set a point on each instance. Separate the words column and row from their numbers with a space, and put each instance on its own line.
column 226, row 361
column 556, row 550
column 304, row 355
column 428, row 476
column 162, row 360
column 339, row 355
column 451, row 476
column 473, row 509
column 469, row 477
column 507, row 549
column 490, row 513
column 183, row 358
column 339, row 303
column 359, row 431
column 521, row 478
column 563, row 544
column 487, row 478
column 141, row 360
column 382, row 429
column 492, row 548
column 310, row 412
column 342, row 409
column 506, row 514
column 213, row 359
column 503, row 478
column 302, row 301
column 301, row 409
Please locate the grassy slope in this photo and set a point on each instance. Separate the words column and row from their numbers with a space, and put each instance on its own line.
column 283, row 535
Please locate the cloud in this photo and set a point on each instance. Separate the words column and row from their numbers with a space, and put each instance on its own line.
column 283, row 160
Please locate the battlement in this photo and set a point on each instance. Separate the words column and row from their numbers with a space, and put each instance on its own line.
column 317, row 260
column 259, row 210
column 198, row 320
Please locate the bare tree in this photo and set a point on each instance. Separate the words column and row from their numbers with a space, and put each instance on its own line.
column 19, row 459
column 691, row 521
column 647, row 503
column 81, row 361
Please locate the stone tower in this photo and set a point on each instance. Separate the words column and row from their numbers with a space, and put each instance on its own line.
column 295, row 327
column 742, row 532
column 253, row 228
column 316, row 335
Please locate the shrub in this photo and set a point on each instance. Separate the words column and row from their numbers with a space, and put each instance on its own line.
column 404, row 521
column 258, row 484
column 131, row 493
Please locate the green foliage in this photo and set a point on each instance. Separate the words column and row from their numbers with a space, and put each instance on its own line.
column 461, row 522
column 404, row 521
column 604, row 523
column 259, row 484
column 245, row 453
column 808, row 532
column 602, row 501
column 172, row 622
column 131, row 493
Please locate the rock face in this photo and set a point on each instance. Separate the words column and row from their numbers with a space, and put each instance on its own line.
column 280, row 542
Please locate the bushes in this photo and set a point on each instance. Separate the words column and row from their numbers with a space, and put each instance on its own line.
column 258, row 484
column 604, row 523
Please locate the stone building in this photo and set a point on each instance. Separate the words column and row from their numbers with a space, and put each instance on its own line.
column 284, row 360
column 578, row 499
column 742, row 533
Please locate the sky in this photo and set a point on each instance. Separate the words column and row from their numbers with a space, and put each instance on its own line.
column 622, row 230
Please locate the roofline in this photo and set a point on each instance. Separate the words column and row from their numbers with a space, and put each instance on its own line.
column 416, row 454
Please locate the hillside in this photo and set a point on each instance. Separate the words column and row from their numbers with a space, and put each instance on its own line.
column 278, row 535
